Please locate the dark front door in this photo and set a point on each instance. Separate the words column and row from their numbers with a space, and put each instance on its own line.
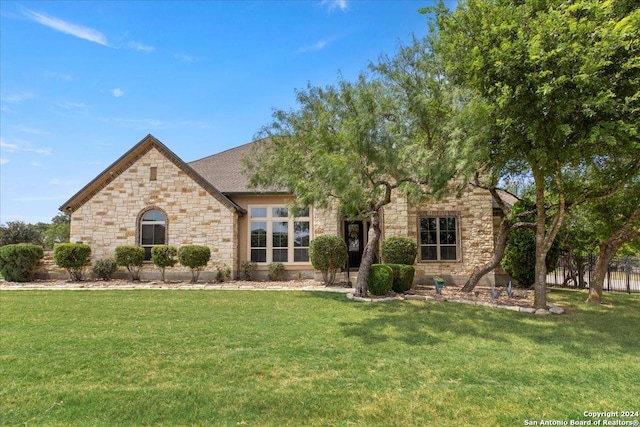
column 354, row 237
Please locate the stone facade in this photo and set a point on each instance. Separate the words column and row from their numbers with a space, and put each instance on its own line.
column 474, row 213
column 107, row 212
column 111, row 217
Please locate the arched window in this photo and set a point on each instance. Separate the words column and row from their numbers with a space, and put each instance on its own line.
column 153, row 231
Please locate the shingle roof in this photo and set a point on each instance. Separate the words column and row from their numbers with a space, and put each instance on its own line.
column 224, row 170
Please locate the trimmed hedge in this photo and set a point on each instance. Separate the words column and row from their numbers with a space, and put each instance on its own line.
column 130, row 257
column 18, row 262
column 195, row 257
column 73, row 257
column 399, row 250
column 402, row 277
column 380, row 279
column 328, row 254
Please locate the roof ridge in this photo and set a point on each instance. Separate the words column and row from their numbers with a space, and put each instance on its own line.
column 222, row 152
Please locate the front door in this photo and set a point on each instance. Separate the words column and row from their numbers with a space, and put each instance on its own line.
column 355, row 239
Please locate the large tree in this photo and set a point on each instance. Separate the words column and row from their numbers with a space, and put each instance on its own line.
column 353, row 144
column 563, row 80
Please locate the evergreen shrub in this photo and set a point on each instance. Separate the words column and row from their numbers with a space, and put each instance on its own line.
column 248, row 270
column 399, row 250
column 195, row 257
column 73, row 257
column 328, row 254
column 380, row 279
column 130, row 257
column 276, row 271
column 223, row 273
column 18, row 262
column 519, row 260
column 104, row 268
column 402, row 277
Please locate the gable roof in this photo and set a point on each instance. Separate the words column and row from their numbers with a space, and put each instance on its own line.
column 224, row 170
column 129, row 158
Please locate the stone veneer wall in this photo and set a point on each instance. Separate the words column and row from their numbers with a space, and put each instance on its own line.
column 110, row 218
column 475, row 226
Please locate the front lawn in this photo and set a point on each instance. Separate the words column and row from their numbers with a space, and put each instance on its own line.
column 308, row 359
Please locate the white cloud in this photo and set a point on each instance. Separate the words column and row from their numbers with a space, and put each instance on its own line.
column 75, row 30
column 56, row 181
column 117, row 92
column 23, row 147
column 32, row 131
column 319, row 45
column 71, row 105
column 335, row 4
column 18, row 98
column 182, row 57
column 140, row 46
column 59, row 76
column 3, row 161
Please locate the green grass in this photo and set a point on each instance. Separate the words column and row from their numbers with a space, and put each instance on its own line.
column 95, row 358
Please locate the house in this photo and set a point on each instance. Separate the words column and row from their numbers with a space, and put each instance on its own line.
column 150, row 196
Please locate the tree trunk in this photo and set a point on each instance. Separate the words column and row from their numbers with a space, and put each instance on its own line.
column 544, row 237
column 498, row 253
column 368, row 256
column 608, row 249
column 597, row 281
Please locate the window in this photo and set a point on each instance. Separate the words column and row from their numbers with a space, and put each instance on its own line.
column 275, row 236
column 439, row 238
column 153, row 231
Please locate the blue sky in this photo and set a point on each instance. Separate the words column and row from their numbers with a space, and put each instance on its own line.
column 81, row 82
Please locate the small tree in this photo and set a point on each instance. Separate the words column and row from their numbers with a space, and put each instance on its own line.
column 399, row 250
column 130, row 257
column 163, row 257
column 18, row 262
column 73, row 257
column 195, row 257
column 328, row 254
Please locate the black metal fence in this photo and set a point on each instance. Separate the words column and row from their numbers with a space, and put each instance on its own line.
column 623, row 274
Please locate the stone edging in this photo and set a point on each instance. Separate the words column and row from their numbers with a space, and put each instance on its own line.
column 551, row 309
column 88, row 286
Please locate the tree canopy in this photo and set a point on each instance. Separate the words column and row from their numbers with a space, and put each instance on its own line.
column 562, row 80
column 352, row 144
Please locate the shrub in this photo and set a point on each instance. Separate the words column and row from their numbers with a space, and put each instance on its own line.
column 73, row 257
column 195, row 257
column 130, row 257
column 18, row 262
column 223, row 273
column 402, row 277
column 519, row 260
column 380, row 279
column 328, row 254
column 248, row 270
column 276, row 271
column 104, row 268
column 164, row 256
column 399, row 250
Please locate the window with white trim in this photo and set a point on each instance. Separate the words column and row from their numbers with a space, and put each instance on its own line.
column 153, row 231
column 439, row 238
column 274, row 236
